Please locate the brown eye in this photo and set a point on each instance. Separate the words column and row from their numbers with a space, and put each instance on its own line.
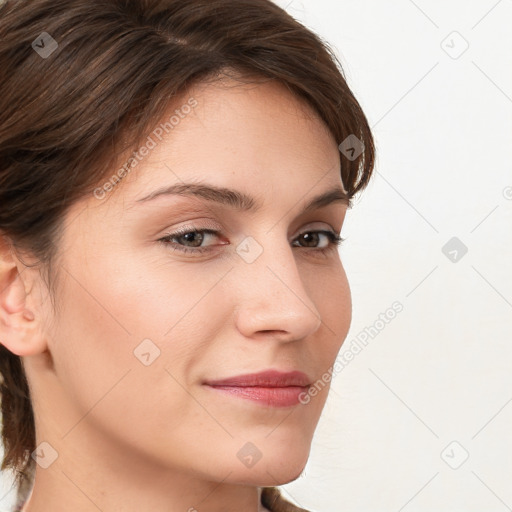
column 188, row 240
column 311, row 239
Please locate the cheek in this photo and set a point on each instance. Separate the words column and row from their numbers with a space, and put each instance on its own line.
column 111, row 323
column 330, row 291
column 108, row 389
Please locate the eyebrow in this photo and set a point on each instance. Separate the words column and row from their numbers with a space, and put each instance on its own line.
column 239, row 200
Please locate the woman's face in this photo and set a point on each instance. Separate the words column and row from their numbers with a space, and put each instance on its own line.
column 144, row 321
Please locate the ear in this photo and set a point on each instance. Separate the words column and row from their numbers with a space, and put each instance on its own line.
column 19, row 327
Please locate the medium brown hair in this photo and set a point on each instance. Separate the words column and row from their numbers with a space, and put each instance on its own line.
column 82, row 82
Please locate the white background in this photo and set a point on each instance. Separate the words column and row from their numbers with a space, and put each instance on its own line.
column 441, row 370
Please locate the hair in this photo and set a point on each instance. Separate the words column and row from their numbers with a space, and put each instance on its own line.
column 108, row 74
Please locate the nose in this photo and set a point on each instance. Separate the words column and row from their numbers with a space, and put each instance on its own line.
column 271, row 298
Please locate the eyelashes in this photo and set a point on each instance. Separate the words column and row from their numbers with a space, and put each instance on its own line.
column 188, row 235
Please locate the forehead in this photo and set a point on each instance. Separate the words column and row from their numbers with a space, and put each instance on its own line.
column 254, row 137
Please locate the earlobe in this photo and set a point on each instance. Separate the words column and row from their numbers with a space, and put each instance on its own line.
column 28, row 315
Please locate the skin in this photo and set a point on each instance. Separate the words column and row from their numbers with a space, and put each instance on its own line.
column 131, row 437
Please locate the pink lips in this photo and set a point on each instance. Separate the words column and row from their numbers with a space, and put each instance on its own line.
column 271, row 387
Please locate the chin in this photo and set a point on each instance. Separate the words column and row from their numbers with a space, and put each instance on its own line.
column 274, row 476
column 289, row 476
column 277, row 468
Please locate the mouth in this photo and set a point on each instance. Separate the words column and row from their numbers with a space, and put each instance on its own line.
column 270, row 388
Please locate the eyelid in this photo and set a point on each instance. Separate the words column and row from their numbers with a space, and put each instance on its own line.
column 211, row 228
column 335, row 240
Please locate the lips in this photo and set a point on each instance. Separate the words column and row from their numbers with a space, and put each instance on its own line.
column 266, row 379
column 270, row 388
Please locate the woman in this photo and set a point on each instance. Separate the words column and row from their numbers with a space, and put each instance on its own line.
column 174, row 176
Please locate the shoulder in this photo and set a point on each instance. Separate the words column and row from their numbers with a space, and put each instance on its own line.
column 272, row 499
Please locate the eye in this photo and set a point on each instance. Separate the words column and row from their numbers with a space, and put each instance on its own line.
column 312, row 237
column 189, row 240
column 195, row 237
